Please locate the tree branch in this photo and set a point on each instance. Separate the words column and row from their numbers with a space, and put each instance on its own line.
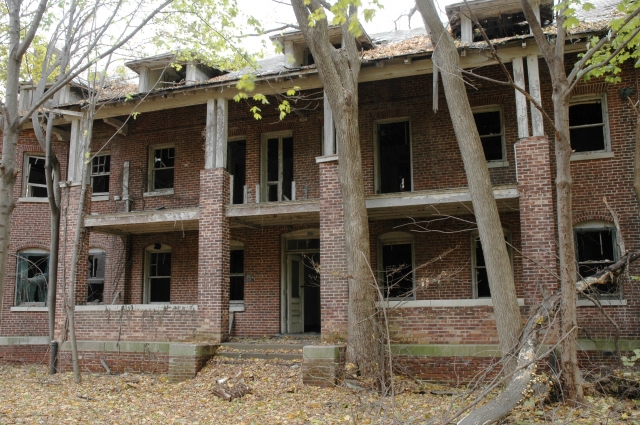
column 28, row 38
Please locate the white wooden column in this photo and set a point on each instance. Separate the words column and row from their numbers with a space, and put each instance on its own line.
column 222, row 113
column 534, row 90
column 329, row 134
column 210, row 136
column 75, row 153
column 521, row 100
column 535, row 5
column 466, row 29
column 143, row 79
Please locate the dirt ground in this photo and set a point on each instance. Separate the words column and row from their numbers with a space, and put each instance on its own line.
column 28, row 395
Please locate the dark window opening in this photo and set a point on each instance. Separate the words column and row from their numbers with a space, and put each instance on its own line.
column 395, row 157
column 596, row 251
column 159, row 277
column 480, row 269
column 36, row 180
column 279, row 169
column 397, row 267
column 502, row 25
column 95, row 282
column 312, row 322
column 586, row 127
column 32, row 279
column 163, row 168
column 237, row 167
column 302, row 244
column 236, row 273
column 489, row 126
column 100, row 172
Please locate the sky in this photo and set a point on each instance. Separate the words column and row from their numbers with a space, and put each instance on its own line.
column 275, row 13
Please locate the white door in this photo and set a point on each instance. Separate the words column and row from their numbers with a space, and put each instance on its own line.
column 295, row 291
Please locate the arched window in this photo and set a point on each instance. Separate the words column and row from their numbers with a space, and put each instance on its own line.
column 158, row 274
column 95, row 281
column 479, row 268
column 597, row 248
column 32, row 277
column 396, row 264
column 236, row 272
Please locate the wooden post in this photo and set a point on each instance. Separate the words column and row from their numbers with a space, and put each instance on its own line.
column 534, row 90
column 210, row 136
column 329, row 133
column 521, row 100
column 466, row 29
column 222, row 111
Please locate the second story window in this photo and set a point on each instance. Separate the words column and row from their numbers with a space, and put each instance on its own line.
column 588, row 125
column 100, row 172
column 35, row 182
column 490, row 127
column 161, row 167
column 393, row 156
column 277, row 167
column 237, row 167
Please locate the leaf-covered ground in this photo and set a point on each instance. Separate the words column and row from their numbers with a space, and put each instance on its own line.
column 29, row 395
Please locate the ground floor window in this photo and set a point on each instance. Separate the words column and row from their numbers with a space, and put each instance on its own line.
column 395, row 256
column 95, row 282
column 479, row 268
column 596, row 249
column 158, row 270
column 236, row 273
column 32, row 277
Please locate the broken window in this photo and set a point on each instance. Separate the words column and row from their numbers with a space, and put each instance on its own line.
column 237, row 167
column 34, row 178
column 587, row 125
column 489, row 124
column 394, row 157
column 236, row 275
column 277, row 168
column 32, row 278
column 596, row 249
column 95, row 282
column 396, row 276
column 162, row 165
column 479, row 268
column 100, row 172
column 158, row 285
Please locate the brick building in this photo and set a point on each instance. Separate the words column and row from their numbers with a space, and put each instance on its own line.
column 204, row 223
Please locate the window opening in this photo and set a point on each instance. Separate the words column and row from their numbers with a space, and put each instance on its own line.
column 596, row 249
column 394, row 153
column 236, row 274
column 303, row 244
column 491, row 132
column 279, row 169
column 95, row 282
column 237, row 167
column 162, row 168
column 159, row 276
column 32, row 278
column 35, row 178
column 397, row 266
column 587, row 129
column 480, row 276
column 100, row 173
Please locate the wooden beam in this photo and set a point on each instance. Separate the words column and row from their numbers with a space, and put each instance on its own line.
column 466, row 29
column 61, row 135
column 521, row 100
column 534, row 90
column 123, row 128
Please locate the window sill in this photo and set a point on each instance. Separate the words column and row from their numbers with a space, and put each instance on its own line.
column 99, row 197
column 604, row 303
column 158, row 193
column 326, row 158
column 136, row 307
column 497, row 164
column 236, row 307
column 29, row 309
column 479, row 302
column 34, row 200
column 585, row 156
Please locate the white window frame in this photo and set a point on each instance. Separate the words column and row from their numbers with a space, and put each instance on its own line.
column 594, row 98
column 495, row 108
column 95, row 252
column 151, row 173
column 237, row 246
column 25, row 176
column 147, row 268
column 30, row 251
column 376, row 152
column 264, row 183
column 102, row 174
column 396, row 238
column 474, row 277
column 599, row 225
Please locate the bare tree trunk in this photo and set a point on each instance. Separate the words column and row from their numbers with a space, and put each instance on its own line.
column 339, row 70
column 501, row 281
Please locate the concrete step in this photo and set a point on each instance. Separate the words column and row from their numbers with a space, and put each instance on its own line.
column 258, row 355
column 260, row 347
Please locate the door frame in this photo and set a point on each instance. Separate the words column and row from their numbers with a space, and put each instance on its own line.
column 312, row 233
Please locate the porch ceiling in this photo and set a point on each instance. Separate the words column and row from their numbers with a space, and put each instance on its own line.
column 274, row 213
column 435, row 202
column 140, row 222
